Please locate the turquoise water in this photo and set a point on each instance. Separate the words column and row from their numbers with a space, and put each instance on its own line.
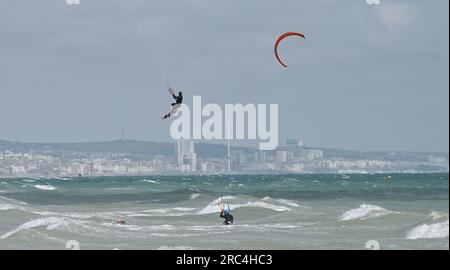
column 398, row 211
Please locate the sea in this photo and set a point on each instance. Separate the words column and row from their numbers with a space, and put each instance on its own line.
column 271, row 212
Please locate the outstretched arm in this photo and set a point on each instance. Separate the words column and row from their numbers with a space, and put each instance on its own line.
column 171, row 91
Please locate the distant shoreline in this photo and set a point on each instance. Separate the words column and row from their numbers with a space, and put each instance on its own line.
column 206, row 175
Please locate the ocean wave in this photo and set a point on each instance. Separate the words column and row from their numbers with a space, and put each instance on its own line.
column 7, row 206
column 174, row 212
column 184, row 209
column 28, row 209
column 286, row 202
column 50, row 223
column 127, row 227
column 45, row 187
column 28, row 180
column 259, row 227
column 283, row 201
column 194, row 196
column 195, row 189
column 121, row 189
column 175, row 248
column 214, row 208
column 365, row 211
column 63, row 178
column 429, row 231
column 435, row 215
column 11, row 201
column 150, row 181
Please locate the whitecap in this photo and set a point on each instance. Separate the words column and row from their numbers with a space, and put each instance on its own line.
column 435, row 215
column 7, row 206
column 183, row 209
column 213, row 207
column 194, row 196
column 51, row 223
column 45, row 187
column 429, row 231
column 365, row 211
column 150, row 181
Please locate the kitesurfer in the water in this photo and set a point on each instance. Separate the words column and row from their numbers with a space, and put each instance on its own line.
column 225, row 213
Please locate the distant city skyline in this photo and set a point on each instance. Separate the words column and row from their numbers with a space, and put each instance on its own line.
column 138, row 158
column 367, row 77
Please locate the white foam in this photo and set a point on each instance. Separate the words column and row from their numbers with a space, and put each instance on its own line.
column 365, row 211
column 45, row 187
column 159, row 211
column 214, row 208
column 124, row 226
column 12, row 201
column 176, row 211
column 175, row 248
column 184, row 209
column 429, row 231
column 273, row 226
column 51, row 223
column 287, row 202
column 150, row 181
column 435, row 215
column 63, row 178
column 277, row 208
column 7, row 206
column 194, row 196
column 282, row 201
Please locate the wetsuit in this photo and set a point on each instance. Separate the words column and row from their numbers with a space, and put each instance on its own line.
column 228, row 218
column 178, row 99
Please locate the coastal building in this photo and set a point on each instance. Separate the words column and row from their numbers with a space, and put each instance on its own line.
column 282, row 156
column 186, row 156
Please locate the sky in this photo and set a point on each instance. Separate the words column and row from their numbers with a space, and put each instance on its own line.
column 367, row 77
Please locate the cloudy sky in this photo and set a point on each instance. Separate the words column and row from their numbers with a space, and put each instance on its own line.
column 366, row 78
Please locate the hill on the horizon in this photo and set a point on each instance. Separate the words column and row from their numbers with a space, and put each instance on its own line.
column 150, row 149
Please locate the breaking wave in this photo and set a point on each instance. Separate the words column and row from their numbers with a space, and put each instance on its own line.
column 45, row 187
column 365, row 211
column 429, row 231
column 50, row 223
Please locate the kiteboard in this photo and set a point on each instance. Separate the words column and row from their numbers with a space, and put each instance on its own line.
column 172, row 111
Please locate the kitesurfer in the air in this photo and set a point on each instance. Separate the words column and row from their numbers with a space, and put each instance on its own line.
column 225, row 213
column 178, row 99
column 176, row 104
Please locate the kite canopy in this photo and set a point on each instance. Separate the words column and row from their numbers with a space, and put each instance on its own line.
column 287, row 34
